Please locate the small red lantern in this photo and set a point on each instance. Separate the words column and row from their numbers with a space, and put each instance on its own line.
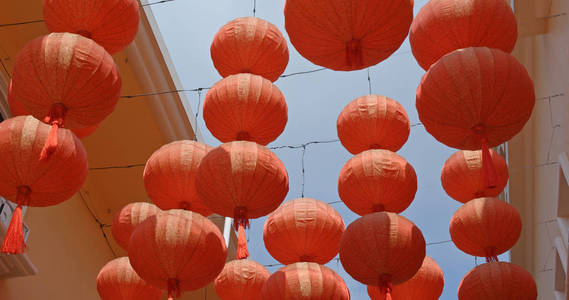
column 497, row 280
column 241, row 279
column 128, row 217
column 117, row 280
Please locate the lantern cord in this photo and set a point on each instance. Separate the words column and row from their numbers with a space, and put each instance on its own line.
column 369, row 81
column 199, row 103
column 154, row 3
column 490, row 176
column 102, row 226
column 303, row 72
column 14, row 240
column 303, row 171
column 254, row 7
column 22, row 23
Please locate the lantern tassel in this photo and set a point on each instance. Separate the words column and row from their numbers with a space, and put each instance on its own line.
column 14, row 240
column 491, row 255
column 242, row 250
column 55, row 118
column 173, row 289
column 385, row 289
column 489, row 172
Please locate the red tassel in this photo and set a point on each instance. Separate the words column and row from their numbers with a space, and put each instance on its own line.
column 354, row 53
column 242, row 250
column 491, row 255
column 55, row 118
column 489, row 172
column 14, row 240
column 173, row 289
column 385, row 288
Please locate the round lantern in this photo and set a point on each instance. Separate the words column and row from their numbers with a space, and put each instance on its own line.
column 497, row 280
column 170, row 174
column 245, row 107
column 249, row 45
column 485, row 227
column 242, row 180
column 128, row 217
column 377, row 180
column 118, row 281
column 442, row 26
column 373, row 122
column 305, row 281
column 241, row 280
column 27, row 180
column 65, row 80
column 463, row 179
column 113, row 24
column 305, row 229
column 177, row 250
column 347, row 35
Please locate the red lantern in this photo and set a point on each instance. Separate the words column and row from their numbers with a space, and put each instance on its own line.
column 27, row 180
column 373, row 122
column 347, row 35
column 128, row 218
column 303, row 230
column 249, row 45
column 306, row 281
column 170, row 174
column 462, row 175
column 117, row 280
column 485, row 227
column 113, row 24
column 241, row 280
column 242, row 180
column 177, row 250
column 377, row 180
column 497, row 280
column 65, row 80
column 442, row 26
column 245, row 107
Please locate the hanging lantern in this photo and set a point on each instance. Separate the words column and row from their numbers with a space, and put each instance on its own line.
column 27, row 180
column 485, row 227
column 128, row 217
column 427, row 284
column 242, row 180
column 462, row 175
column 373, row 122
column 250, row 45
column 65, row 80
column 305, row 281
column 241, row 280
column 118, row 281
column 303, row 230
column 497, row 280
column 245, row 107
column 347, row 35
column 113, row 24
column 442, row 26
column 377, row 180
column 177, row 250
column 170, row 174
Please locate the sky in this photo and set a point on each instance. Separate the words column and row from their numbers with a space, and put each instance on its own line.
column 314, row 102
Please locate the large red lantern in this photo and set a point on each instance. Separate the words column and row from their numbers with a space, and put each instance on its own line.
column 118, row 281
column 241, row 279
column 128, row 217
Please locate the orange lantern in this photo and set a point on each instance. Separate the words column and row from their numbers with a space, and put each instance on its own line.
column 245, row 107
column 373, row 122
column 65, row 80
column 242, row 180
column 128, row 217
column 497, row 280
column 377, row 180
column 241, row 280
column 303, row 230
column 177, row 250
column 485, row 227
column 249, row 45
column 27, row 180
column 442, row 26
column 170, row 174
column 462, row 176
column 306, row 281
column 113, row 24
column 118, row 281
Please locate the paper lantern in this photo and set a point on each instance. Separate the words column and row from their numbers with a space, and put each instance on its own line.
column 241, row 280
column 347, row 35
column 497, row 280
column 377, row 180
column 303, row 230
column 463, row 179
column 28, row 181
column 305, row 281
column 249, row 45
column 442, row 26
column 128, row 217
column 177, row 250
column 485, row 227
column 113, row 24
column 373, row 122
column 245, row 107
column 118, row 281
column 65, row 80
column 170, row 174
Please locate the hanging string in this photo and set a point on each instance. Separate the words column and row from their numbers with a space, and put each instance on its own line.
column 303, row 172
column 369, row 81
column 254, row 7
column 102, row 226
